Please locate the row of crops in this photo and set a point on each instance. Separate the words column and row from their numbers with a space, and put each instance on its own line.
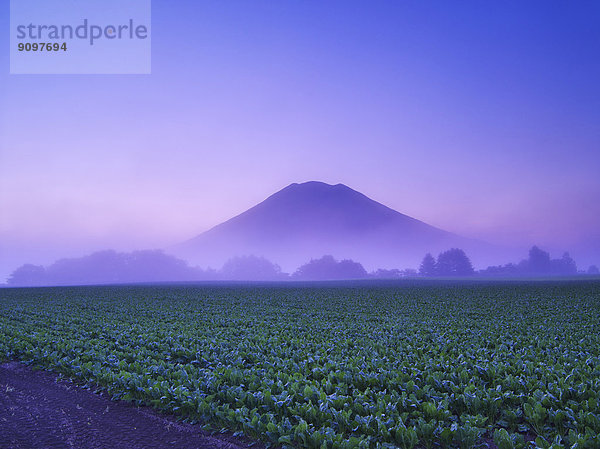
column 409, row 365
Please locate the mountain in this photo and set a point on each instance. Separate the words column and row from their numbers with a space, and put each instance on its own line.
column 305, row 221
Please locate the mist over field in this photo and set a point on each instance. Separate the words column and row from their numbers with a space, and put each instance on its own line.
column 306, row 231
column 303, row 225
column 305, row 221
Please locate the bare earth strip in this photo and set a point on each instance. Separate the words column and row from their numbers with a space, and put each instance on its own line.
column 38, row 411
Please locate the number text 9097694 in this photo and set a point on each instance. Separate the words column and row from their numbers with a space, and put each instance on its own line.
column 42, row 46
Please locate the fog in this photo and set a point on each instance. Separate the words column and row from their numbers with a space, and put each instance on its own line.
column 484, row 126
column 305, row 231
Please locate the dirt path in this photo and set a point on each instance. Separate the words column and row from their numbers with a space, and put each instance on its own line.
column 38, row 411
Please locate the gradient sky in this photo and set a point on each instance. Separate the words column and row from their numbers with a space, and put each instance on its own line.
column 477, row 117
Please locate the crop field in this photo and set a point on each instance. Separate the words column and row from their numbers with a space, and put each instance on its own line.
column 450, row 365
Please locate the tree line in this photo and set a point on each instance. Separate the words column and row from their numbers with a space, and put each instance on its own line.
column 455, row 262
column 111, row 267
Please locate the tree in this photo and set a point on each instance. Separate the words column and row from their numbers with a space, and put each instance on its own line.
column 251, row 268
column 454, row 262
column 538, row 261
column 109, row 267
column 593, row 269
column 428, row 266
column 383, row 273
column 509, row 269
column 348, row 269
column 327, row 268
column 28, row 275
column 565, row 265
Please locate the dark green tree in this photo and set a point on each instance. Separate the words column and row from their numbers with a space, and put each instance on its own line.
column 327, row 268
column 428, row 266
column 251, row 268
column 454, row 262
column 538, row 261
column 28, row 275
column 564, row 266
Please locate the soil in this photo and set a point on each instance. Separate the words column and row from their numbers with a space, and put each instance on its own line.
column 39, row 410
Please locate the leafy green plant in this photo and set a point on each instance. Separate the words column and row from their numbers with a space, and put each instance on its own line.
column 536, row 416
column 426, row 432
column 503, row 439
column 466, row 436
column 332, row 367
column 406, row 437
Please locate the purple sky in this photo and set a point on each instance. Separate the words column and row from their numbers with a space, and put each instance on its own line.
column 477, row 118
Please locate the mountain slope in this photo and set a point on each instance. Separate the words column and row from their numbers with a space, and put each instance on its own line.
column 308, row 220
